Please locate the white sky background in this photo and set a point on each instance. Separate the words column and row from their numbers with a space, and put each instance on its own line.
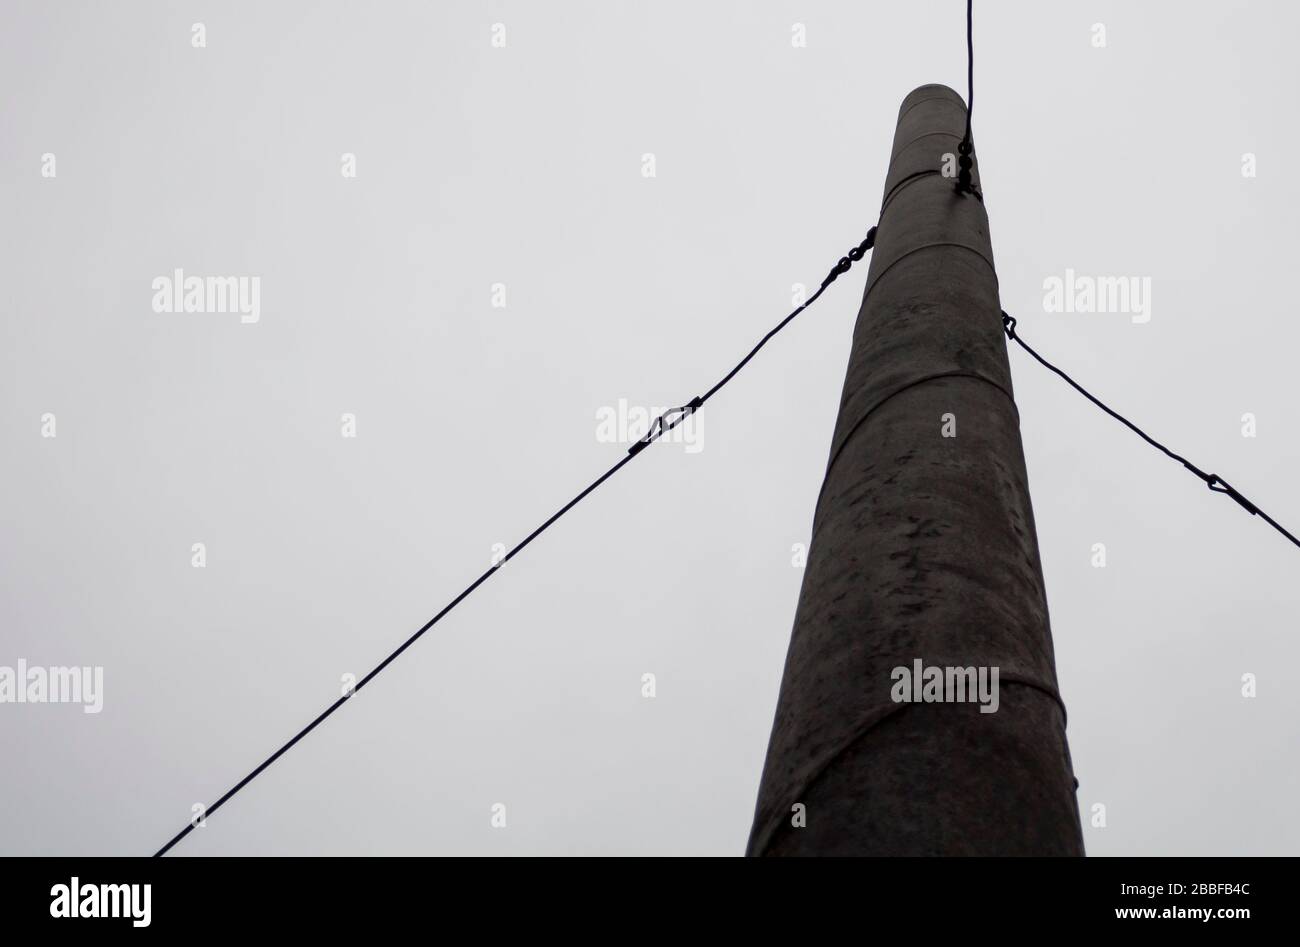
column 522, row 165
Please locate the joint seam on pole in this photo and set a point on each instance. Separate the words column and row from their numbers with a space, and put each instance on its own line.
column 903, row 147
column 1038, row 685
column 956, row 102
column 911, row 178
column 848, row 435
column 927, row 246
column 870, row 722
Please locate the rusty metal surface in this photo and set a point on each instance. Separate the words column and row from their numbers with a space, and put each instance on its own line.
column 923, row 547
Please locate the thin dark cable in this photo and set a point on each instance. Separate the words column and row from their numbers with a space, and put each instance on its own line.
column 1213, row 481
column 970, row 66
column 660, row 427
column 966, row 148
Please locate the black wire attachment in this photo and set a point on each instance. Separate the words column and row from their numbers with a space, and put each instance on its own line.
column 964, row 165
column 675, row 416
column 1219, row 485
column 1211, row 480
column 965, row 184
column 661, row 425
column 846, row 262
column 665, row 422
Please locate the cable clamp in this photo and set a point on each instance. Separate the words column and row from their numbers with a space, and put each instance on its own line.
column 846, row 262
column 666, row 422
column 1219, row 485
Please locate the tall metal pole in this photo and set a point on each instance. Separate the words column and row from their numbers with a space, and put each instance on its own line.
column 923, row 556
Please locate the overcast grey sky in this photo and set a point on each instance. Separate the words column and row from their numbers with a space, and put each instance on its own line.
column 523, row 165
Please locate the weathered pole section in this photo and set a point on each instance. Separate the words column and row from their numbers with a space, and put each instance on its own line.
column 923, row 555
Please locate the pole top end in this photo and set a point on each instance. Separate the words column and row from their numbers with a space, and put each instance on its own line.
column 931, row 91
